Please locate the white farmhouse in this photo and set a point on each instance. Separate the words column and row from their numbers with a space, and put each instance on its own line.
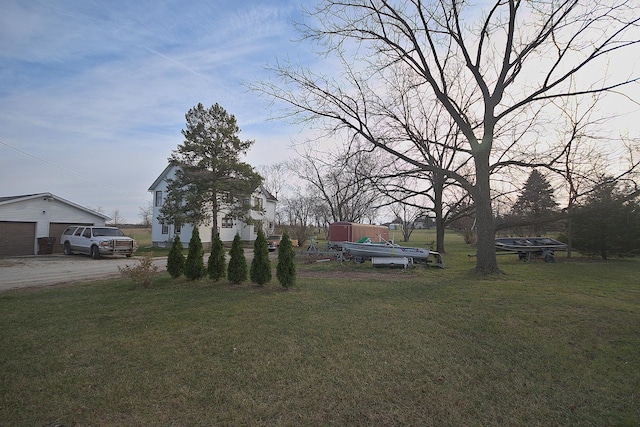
column 163, row 234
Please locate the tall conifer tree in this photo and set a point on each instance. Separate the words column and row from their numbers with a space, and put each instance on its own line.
column 217, row 264
column 210, row 177
column 260, row 265
column 237, row 271
column 194, row 265
column 535, row 202
column 175, row 260
column 286, row 268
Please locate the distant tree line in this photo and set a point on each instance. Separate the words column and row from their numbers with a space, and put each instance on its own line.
column 605, row 218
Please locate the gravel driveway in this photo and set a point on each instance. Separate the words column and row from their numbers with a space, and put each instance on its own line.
column 47, row 270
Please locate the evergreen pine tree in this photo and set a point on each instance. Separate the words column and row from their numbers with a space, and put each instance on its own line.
column 217, row 264
column 209, row 175
column 535, row 202
column 237, row 271
column 608, row 224
column 194, row 265
column 175, row 260
column 286, row 269
column 260, row 272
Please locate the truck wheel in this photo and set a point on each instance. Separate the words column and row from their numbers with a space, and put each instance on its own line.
column 67, row 248
column 95, row 252
column 549, row 257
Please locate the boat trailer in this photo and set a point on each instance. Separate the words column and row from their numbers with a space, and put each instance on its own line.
column 524, row 247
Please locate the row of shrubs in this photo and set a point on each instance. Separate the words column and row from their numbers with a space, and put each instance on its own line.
column 237, row 270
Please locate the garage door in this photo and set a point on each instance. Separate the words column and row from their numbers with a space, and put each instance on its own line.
column 17, row 238
column 56, row 229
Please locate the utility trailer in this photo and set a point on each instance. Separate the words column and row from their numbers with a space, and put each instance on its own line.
column 343, row 231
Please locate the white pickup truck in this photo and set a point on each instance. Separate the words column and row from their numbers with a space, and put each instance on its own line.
column 97, row 241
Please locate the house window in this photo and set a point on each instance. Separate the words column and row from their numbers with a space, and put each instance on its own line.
column 257, row 226
column 246, row 203
column 227, row 222
column 177, row 228
column 257, row 203
column 158, row 198
column 165, row 228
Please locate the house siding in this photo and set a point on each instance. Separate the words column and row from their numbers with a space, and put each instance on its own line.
column 247, row 232
column 157, row 237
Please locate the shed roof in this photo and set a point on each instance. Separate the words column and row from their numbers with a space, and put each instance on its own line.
column 16, row 199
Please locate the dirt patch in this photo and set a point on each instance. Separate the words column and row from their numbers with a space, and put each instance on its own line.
column 36, row 271
column 6, row 263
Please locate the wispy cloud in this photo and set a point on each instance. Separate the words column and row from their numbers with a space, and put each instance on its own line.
column 99, row 89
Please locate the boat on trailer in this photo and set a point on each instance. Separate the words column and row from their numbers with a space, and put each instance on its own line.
column 367, row 249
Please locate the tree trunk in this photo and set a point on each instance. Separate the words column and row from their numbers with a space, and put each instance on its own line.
column 438, row 188
column 406, row 231
column 569, row 234
column 214, row 220
column 486, row 260
column 440, row 234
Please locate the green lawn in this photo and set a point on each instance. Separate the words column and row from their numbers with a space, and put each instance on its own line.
column 544, row 344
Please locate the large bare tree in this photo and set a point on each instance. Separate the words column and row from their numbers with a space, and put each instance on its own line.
column 487, row 66
column 427, row 135
column 344, row 181
column 275, row 177
column 583, row 162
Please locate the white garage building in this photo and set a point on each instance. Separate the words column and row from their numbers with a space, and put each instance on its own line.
column 29, row 223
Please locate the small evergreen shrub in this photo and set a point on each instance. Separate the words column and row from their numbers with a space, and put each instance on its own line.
column 286, row 268
column 217, row 264
column 175, row 260
column 143, row 273
column 194, row 265
column 237, row 271
column 260, row 271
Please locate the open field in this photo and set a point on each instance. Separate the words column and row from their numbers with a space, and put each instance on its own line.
column 544, row 344
column 141, row 234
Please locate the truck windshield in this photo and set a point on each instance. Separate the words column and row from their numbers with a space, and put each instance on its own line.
column 107, row 232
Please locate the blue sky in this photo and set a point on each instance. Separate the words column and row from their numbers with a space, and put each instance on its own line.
column 93, row 93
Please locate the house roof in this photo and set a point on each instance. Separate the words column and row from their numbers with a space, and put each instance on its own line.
column 15, row 199
column 267, row 194
column 160, row 178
